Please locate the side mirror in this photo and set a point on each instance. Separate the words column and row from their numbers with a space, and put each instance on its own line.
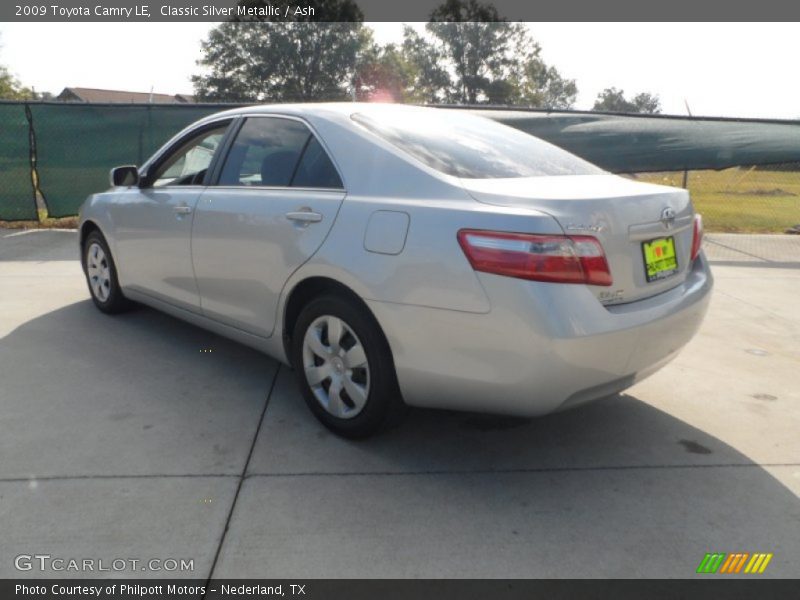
column 124, row 176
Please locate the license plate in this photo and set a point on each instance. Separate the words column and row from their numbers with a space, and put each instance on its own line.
column 660, row 260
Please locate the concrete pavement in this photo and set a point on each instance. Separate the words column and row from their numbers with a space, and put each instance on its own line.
column 141, row 436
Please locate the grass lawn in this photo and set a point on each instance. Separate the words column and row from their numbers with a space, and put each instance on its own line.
column 743, row 200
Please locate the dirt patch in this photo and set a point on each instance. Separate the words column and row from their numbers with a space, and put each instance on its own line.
column 63, row 223
column 761, row 192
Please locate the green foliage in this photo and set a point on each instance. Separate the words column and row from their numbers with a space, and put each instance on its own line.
column 12, row 89
column 385, row 74
column 300, row 59
column 479, row 48
column 430, row 79
column 468, row 55
column 543, row 86
column 613, row 100
column 472, row 55
column 466, row 11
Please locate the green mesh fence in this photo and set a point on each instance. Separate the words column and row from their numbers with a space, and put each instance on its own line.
column 77, row 144
column 653, row 143
column 17, row 201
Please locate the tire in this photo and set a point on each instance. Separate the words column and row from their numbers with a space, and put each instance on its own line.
column 349, row 385
column 101, row 275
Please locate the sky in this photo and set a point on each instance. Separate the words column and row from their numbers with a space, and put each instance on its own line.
column 719, row 69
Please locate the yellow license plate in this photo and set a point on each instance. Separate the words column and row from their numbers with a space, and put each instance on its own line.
column 660, row 260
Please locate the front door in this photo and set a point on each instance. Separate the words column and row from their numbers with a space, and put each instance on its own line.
column 155, row 221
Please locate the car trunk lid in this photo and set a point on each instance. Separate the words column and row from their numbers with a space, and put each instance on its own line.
column 621, row 213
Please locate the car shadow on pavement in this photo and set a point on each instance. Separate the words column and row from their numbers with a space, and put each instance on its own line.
column 621, row 431
column 615, row 488
column 87, row 394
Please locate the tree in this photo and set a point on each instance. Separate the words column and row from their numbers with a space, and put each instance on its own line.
column 543, row 86
column 469, row 54
column 258, row 59
column 472, row 55
column 613, row 100
column 384, row 74
column 476, row 43
column 430, row 80
column 647, row 103
column 12, row 89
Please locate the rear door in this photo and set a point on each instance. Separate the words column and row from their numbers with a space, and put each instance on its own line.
column 274, row 200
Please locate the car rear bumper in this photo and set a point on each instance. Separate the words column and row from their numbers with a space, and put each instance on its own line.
column 541, row 348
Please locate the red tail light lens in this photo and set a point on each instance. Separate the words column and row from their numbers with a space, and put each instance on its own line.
column 697, row 236
column 551, row 258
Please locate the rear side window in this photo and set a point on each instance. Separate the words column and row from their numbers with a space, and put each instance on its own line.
column 277, row 152
column 471, row 147
column 315, row 168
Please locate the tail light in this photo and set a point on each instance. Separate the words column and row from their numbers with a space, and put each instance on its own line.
column 697, row 236
column 552, row 258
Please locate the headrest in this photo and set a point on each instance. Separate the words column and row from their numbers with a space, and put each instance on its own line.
column 277, row 168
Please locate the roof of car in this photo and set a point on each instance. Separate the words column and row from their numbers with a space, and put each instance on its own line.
column 322, row 108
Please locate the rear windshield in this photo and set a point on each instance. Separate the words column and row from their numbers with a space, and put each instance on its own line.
column 472, row 147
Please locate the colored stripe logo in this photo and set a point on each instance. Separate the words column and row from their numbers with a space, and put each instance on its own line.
column 735, row 562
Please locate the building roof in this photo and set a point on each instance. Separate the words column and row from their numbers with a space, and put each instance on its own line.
column 80, row 94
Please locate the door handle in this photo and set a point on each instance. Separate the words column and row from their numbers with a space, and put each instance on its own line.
column 182, row 209
column 304, row 216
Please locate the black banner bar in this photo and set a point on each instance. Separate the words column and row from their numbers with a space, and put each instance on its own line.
column 383, row 10
column 708, row 586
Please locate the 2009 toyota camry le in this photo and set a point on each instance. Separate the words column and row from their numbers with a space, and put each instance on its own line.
column 402, row 256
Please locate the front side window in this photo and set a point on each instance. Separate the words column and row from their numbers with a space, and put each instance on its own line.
column 189, row 163
column 275, row 152
column 471, row 147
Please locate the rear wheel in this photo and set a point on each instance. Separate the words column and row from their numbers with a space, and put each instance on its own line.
column 344, row 368
column 101, row 275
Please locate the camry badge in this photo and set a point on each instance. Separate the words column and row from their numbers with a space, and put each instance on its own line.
column 668, row 217
column 582, row 227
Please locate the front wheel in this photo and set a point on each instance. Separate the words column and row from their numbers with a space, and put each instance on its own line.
column 101, row 275
column 344, row 368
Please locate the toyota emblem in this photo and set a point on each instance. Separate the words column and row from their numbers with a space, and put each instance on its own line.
column 668, row 217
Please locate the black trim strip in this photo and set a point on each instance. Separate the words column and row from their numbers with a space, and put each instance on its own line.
column 300, row 158
column 221, row 155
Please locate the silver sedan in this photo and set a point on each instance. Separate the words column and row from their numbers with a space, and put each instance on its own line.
column 401, row 256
